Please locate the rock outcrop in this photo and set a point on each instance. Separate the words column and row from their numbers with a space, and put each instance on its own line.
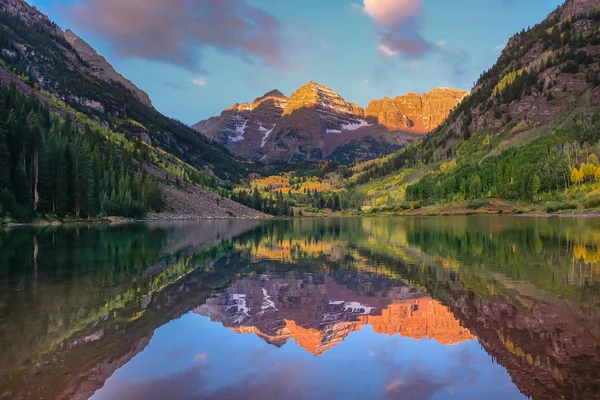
column 29, row 14
column 414, row 112
column 572, row 8
column 100, row 68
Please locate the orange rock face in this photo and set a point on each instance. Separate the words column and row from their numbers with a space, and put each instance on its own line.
column 317, row 324
column 419, row 319
column 414, row 112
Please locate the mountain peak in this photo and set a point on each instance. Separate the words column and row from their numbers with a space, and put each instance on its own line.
column 239, row 107
column 315, row 120
column 274, row 93
column 313, row 94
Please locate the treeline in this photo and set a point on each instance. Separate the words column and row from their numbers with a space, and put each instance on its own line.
column 49, row 165
column 319, row 200
column 523, row 173
column 280, row 204
column 274, row 205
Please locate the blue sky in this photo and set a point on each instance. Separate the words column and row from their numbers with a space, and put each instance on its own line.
column 193, row 357
column 194, row 63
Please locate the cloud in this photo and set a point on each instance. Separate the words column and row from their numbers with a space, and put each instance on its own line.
column 178, row 31
column 400, row 36
column 387, row 51
column 400, row 32
column 201, row 81
column 392, row 12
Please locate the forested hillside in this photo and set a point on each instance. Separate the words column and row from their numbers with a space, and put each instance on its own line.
column 37, row 50
column 527, row 133
column 53, row 165
column 78, row 140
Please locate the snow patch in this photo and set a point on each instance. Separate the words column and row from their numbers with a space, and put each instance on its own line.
column 267, row 302
column 240, row 308
column 266, row 135
column 240, row 130
column 352, row 127
column 357, row 307
column 354, row 307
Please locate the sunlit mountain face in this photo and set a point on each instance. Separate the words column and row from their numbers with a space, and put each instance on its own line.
column 318, row 312
column 338, row 308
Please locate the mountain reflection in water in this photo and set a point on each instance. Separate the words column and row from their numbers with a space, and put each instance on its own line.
column 416, row 308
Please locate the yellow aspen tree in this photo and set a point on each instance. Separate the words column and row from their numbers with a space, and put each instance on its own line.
column 576, row 177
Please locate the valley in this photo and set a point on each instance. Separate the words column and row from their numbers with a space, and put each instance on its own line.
column 524, row 140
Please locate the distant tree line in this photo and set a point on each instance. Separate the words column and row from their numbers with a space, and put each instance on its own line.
column 274, row 205
column 282, row 204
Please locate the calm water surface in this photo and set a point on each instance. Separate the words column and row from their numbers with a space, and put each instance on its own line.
column 410, row 308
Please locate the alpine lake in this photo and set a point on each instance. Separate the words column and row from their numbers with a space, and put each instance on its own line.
column 465, row 307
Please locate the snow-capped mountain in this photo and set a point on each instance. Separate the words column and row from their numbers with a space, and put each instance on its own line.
column 321, row 312
column 316, row 123
column 244, row 128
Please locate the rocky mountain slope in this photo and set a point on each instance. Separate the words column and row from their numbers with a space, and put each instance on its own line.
column 63, row 65
column 420, row 113
column 100, row 68
column 245, row 127
column 316, row 123
column 519, row 135
column 542, row 75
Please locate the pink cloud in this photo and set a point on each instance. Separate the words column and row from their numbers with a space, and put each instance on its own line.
column 400, row 27
column 176, row 31
column 392, row 12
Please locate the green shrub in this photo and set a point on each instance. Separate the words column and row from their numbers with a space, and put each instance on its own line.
column 475, row 204
column 592, row 202
column 554, row 207
column 570, row 68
